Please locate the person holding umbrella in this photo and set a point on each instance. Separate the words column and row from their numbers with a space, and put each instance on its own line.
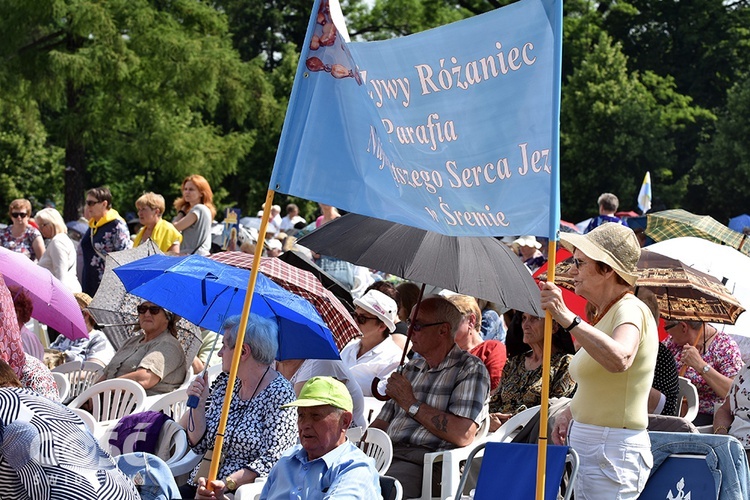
column 21, row 236
column 710, row 359
column 154, row 357
column 607, row 418
column 258, row 429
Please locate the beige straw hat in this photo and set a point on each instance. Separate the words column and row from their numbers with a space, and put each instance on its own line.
column 614, row 244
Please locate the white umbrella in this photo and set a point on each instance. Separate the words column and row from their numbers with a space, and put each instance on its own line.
column 730, row 266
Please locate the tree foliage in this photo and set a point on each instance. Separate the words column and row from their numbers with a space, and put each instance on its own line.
column 616, row 126
column 723, row 169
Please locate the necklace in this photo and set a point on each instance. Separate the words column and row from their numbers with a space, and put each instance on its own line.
column 260, row 382
column 705, row 340
column 600, row 315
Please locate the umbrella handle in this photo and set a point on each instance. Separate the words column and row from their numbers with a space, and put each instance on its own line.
column 375, row 393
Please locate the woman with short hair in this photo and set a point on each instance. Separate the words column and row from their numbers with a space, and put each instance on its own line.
column 150, row 208
column 258, row 428
column 21, row 236
column 60, row 257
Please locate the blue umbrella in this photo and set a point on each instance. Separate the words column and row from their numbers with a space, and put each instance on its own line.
column 739, row 223
column 206, row 292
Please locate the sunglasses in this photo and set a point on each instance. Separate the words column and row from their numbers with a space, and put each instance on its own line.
column 16, row 215
column 362, row 319
column 417, row 326
column 669, row 327
column 578, row 263
column 154, row 310
column 91, row 203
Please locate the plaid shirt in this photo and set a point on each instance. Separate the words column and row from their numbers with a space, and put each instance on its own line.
column 459, row 385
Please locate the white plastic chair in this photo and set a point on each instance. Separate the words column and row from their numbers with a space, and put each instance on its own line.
column 172, row 404
column 189, row 374
column 689, row 392
column 63, row 385
column 178, row 445
column 250, row 491
column 372, row 408
column 81, row 376
column 452, row 459
column 112, row 399
column 87, row 418
column 375, row 443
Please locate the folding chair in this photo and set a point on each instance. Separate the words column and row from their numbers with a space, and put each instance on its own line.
column 510, row 468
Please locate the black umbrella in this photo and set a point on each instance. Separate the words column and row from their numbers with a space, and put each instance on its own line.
column 479, row 267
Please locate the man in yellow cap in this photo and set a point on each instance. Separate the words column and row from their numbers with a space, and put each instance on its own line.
column 325, row 465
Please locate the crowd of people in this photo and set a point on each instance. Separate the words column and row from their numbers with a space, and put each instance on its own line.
column 464, row 364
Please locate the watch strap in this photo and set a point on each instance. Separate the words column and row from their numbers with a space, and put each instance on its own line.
column 576, row 321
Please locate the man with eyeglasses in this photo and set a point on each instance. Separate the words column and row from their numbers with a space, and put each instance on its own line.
column 439, row 398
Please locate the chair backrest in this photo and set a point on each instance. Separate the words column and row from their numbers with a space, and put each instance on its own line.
column 213, row 372
column 390, row 488
column 519, row 480
column 680, row 476
column 372, row 408
column 87, row 418
column 689, row 392
column 112, row 399
column 189, row 374
column 63, row 385
column 513, row 426
column 172, row 404
column 170, row 452
column 81, row 376
column 377, row 445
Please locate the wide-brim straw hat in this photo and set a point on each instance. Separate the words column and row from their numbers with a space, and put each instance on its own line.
column 614, row 244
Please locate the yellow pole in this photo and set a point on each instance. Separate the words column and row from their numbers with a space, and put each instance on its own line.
column 218, row 445
column 541, row 463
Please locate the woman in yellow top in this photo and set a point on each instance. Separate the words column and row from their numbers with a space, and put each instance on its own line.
column 150, row 209
column 607, row 418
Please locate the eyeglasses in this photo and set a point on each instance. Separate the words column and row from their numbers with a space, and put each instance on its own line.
column 16, row 215
column 91, row 203
column 578, row 263
column 362, row 319
column 417, row 326
column 154, row 310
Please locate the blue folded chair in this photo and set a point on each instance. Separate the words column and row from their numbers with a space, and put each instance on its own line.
column 510, row 468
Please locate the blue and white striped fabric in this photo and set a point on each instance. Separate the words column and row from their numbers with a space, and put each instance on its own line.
column 46, row 452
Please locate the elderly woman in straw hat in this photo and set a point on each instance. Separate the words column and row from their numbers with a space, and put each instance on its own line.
column 607, row 418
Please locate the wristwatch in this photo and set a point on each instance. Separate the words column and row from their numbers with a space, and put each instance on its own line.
column 231, row 484
column 706, row 368
column 413, row 409
column 575, row 323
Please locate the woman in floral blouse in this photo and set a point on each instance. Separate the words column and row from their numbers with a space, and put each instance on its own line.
column 107, row 233
column 20, row 236
column 258, row 428
column 521, row 384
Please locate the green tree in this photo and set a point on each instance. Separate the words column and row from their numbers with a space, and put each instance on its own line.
column 722, row 172
column 132, row 90
column 616, row 125
column 703, row 44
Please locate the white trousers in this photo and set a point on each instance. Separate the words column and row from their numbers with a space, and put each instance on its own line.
column 615, row 463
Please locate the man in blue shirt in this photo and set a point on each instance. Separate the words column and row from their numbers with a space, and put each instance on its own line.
column 325, row 465
column 608, row 204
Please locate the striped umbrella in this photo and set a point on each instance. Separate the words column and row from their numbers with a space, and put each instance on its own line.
column 676, row 223
column 304, row 284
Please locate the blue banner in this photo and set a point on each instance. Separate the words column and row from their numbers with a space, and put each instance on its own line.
column 453, row 130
